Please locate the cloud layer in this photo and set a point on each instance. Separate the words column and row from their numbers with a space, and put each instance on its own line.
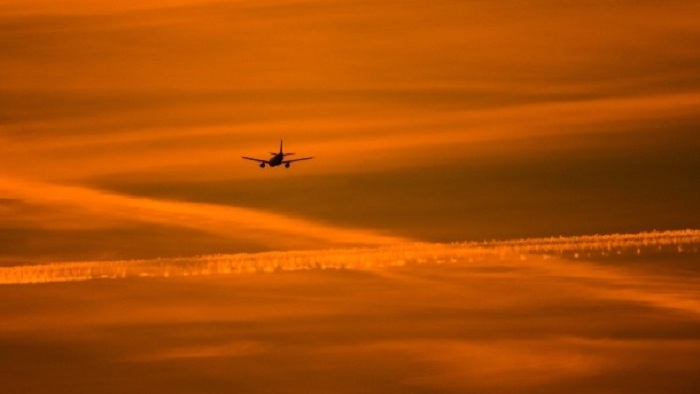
column 121, row 127
column 78, row 207
column 530, row 316
column 435, row 121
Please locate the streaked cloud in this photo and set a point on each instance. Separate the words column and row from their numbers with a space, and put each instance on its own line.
column 234, row 349
column 542, row 257
column 83, row 207
column 124, row 201
column 315, row 44
column 98, row 95
column 378, row 141
column 526, row 315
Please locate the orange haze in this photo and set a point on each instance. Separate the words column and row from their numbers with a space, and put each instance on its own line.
column 440, row 130
column 437, row 121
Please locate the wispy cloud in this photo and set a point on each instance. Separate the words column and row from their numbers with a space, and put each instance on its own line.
column 540, row 256
column 83, row 205
column 96, row 93
column 121, row 127
column 524, row 315
column 378, row 141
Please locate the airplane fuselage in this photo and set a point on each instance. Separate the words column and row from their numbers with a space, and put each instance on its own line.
column 277, row 159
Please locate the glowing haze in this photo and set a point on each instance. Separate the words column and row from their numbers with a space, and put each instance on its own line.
column 581, row 314
column 436, row 121
column 121, row 130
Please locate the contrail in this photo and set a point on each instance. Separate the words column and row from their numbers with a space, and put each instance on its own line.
column 364, row 258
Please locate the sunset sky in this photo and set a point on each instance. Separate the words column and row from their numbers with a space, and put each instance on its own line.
column 503, row 196
column 122, row 123
column 418, row 318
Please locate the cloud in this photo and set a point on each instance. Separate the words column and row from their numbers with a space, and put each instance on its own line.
column 466, row 119
column 174, row 92
column 224, row 350
column 83, row 205
column 406, row 137
column 188, row 85
column 522, row 315
column 489, row 364
column 346, row 44
column 529, row 365
column 506, row 259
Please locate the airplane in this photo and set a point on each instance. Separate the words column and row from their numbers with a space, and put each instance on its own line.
column 276, row 159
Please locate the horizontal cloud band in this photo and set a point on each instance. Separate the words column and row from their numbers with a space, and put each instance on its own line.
column 685, row 241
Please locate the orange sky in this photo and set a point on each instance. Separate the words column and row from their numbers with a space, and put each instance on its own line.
column 122, row 124
column 445, row 120
column 523, row 316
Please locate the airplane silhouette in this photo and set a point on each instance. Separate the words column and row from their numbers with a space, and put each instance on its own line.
column 276, row 159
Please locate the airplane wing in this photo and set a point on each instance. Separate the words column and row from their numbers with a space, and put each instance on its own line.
column 293, row 160
column 254, row 159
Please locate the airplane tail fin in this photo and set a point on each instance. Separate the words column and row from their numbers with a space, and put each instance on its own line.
column 280, row 146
